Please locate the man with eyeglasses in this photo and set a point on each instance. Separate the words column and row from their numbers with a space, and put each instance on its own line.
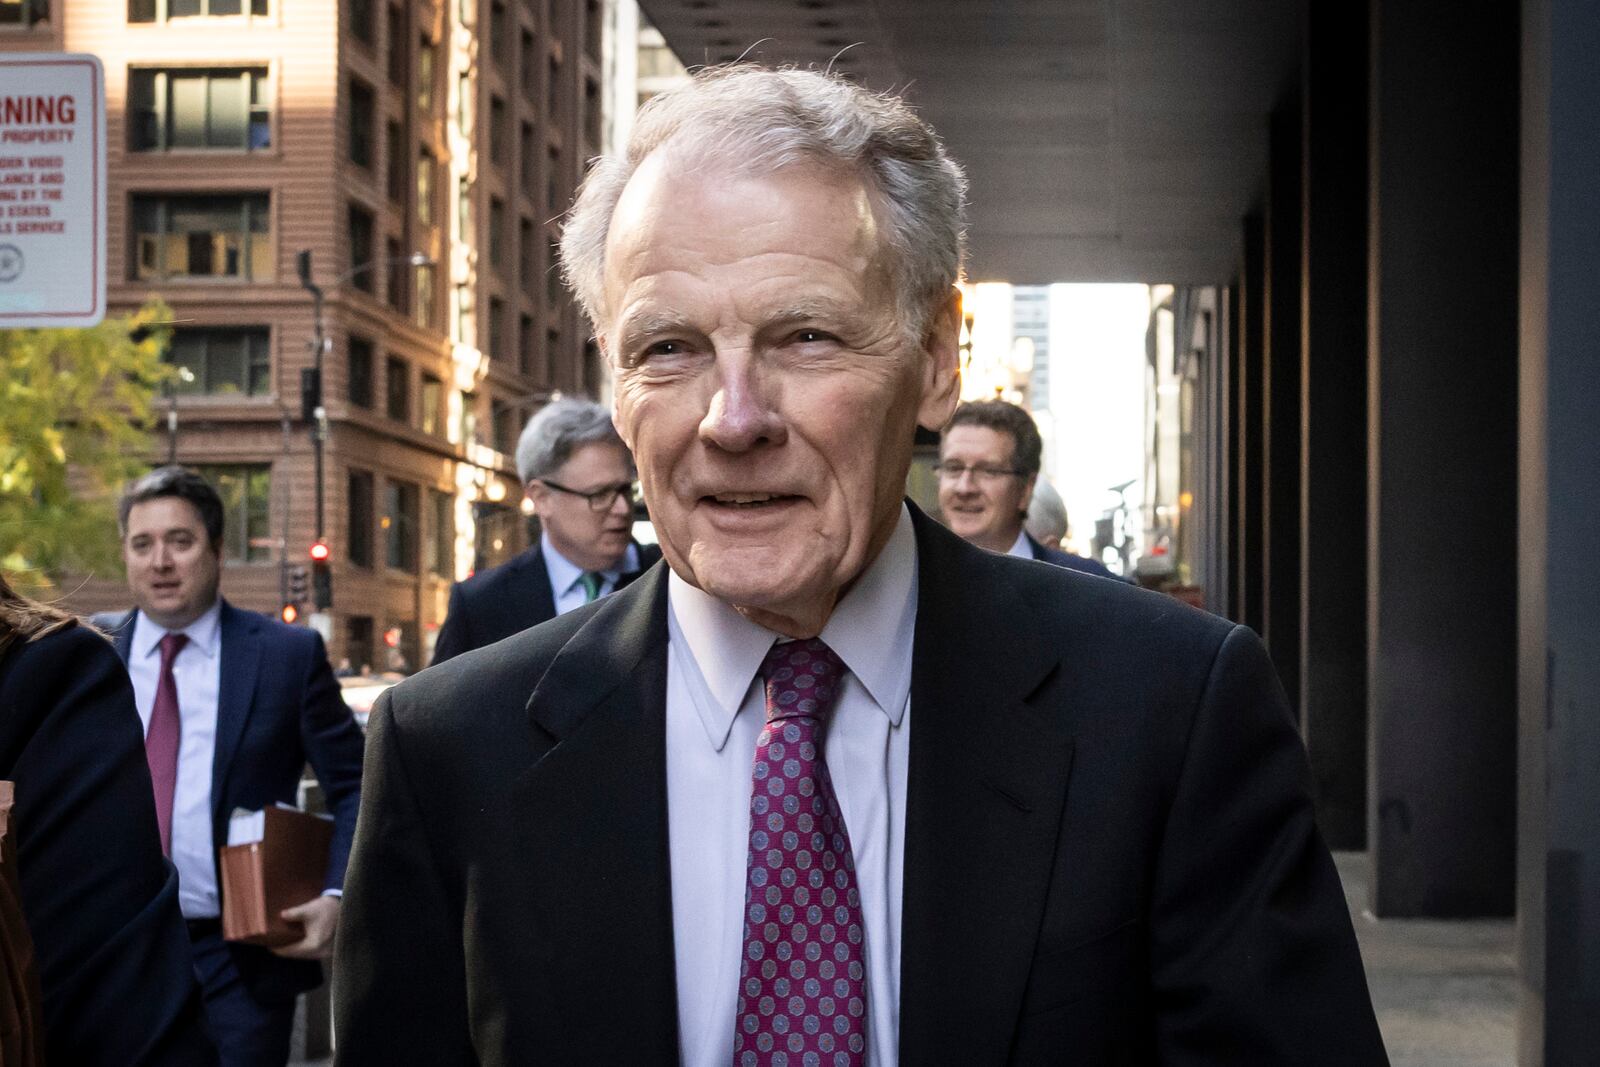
column 579, row 476
column 988, row 465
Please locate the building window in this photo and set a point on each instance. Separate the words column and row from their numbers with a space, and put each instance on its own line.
column 592, row 29
column 397, row 46
column 358, row 500
column 395, row 168
column 552, row 180
column 442, row 545
column 399, row 524
column 202, row 237
column 222, row 360
column 426, row 76
column 246, row 492
column 591, row 111
column 503, row 424
column 361, row 266
column 525, row 344
column 427, row 298
column 469, row 418
column 397, row 287
column 359, row 354
column 499, row 34
column 552, row 345
column 529, row 150
column 497, row 328
column 397, row 390
column 464, row 104
column 553, row 87
column 362, row 26
column 464, row 209
column 552, row 275
column 530, row 69
column 162, row 10
column 425, row 188
column 363, row 107
column 229, row 109
column 358, row 643
column 499, row 132
column 497, row 235
column 24, row 13
column 431, row 399
column 527, row 253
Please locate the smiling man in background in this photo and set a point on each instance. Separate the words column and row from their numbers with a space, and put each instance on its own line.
column 233, row 706
column 804, row 797
column 577, row 473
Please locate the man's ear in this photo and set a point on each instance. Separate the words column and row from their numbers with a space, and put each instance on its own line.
column 941, row 368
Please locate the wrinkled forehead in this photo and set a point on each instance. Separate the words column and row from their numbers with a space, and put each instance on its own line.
column 692, row 202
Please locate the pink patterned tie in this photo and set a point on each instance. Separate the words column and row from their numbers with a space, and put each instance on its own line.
column 161, row 740
column 802, row 982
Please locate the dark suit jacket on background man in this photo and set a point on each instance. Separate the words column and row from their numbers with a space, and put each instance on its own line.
column 1108, row 859
column 508, row 599
column 1071, row 562
column 278, row 708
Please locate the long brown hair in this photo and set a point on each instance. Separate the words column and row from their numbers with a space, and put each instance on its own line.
column 26, row 620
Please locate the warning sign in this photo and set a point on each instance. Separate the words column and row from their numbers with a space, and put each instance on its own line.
column 52, row 190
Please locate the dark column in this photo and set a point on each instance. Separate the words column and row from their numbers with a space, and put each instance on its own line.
column 1442, row 451
column 1280, row 540
column 1252, row 355
column 1333, row 462
column 1232, row 435
column 1559, row 610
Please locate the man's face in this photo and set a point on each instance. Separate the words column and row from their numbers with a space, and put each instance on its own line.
column 593, row 540
column 767, row 389
column 986, row 503
column 173, row 568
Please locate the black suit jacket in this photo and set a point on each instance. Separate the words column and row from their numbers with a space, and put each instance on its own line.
column 507, row 599
column 278, row 708
column 1110, row 856
column 100, row 900
column 1067, row 559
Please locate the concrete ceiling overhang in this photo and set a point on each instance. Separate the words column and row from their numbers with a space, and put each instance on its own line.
column 1105, row 140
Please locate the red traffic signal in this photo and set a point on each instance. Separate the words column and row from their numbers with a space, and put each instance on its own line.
column 320, row 551
column 290, row 613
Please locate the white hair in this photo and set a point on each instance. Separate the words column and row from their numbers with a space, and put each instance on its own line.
column 556, row 431
column 757, row 121
column 1047, row 512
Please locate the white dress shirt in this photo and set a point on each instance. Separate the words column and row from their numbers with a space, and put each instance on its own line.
column 566, row 577
column 715, row 709
column 1021, row 547
column 197, row 670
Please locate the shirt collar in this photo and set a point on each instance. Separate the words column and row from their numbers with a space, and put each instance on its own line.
column 564, row 574
column 871, row 630
column 205, row 633
column 1021, row 546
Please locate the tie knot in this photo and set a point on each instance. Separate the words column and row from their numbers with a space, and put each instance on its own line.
column 171, row 645
column 803, row 679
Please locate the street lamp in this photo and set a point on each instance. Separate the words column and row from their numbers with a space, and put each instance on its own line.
column 312, row 410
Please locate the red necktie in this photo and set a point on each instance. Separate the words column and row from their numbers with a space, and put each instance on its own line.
column 161, row 740
column 802, row 983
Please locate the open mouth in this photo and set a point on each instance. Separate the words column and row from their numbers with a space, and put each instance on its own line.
column 750, row 501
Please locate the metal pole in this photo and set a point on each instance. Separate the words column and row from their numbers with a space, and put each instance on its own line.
column 319, row 431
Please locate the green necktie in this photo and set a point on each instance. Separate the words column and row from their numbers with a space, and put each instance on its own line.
column 591, row 586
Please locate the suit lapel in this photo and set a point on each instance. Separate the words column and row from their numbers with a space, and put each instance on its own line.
column 533, row 589
column 241, row 657
column 986, row 789
column 592, row 814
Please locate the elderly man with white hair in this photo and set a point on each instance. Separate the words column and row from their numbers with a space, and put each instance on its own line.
column 832, row 786
column 578, row 475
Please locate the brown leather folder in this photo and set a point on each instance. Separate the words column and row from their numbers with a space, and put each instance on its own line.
column 286, row 868
column 21, row 1006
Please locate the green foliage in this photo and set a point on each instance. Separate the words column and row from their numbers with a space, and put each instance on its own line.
column 75, row 411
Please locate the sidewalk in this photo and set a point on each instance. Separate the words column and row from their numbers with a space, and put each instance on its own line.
column 1445, row 992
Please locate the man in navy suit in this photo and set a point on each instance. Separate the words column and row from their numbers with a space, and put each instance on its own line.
column 579, row 476
column 988, row 465
column 234, row 705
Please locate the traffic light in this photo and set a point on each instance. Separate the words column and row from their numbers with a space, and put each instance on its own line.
column 290, row 613
column 295, row 591
column 321, row 575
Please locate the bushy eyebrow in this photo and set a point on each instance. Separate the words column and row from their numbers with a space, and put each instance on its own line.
column 636, row 329
column 651, row 324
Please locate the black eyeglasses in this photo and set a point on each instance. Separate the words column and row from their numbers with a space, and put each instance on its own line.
column 603, row 499
column 951, row 471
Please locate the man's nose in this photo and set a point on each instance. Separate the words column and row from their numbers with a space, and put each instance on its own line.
column 739, row 416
